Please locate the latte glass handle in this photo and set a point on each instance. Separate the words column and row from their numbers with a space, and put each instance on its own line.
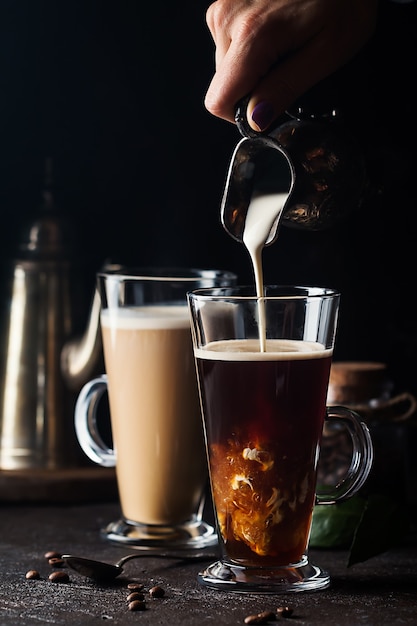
column 86, row 427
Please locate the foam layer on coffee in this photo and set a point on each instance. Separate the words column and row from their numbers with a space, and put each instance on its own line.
column 248, row 350
column 160, row 317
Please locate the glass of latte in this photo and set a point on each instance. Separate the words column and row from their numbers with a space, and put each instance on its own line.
column 263, row 368
column 157, row 437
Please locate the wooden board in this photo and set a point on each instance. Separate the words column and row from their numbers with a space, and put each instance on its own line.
column 83, row 484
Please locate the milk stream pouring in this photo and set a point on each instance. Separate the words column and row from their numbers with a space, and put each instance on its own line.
column 307, row 173
column 36, row 406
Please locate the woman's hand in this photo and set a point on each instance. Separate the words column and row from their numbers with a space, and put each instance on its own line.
column 275, row 50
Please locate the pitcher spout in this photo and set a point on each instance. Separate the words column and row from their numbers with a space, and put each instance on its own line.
column 80, row 357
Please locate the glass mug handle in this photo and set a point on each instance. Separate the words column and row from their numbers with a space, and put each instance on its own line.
column 86, row 428
column 362, row 456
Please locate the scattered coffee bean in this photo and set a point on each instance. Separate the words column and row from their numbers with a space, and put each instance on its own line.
column 255, row 619
column 157, row 592
column 284, row 611
column 56, row 561
column 33, row 574
column 137, row 605
column 52, row 554
column 261, row 618
column 135, row 595
column 136, row 586
column 58, row 577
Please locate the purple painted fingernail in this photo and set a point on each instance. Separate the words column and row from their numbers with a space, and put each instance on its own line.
column 263, row 114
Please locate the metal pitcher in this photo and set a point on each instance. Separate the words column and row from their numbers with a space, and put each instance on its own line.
column 311, row 159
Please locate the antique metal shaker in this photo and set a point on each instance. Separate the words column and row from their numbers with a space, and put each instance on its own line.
column 36, row 406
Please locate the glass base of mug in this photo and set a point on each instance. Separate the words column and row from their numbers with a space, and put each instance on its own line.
column 195, row 534
column 292, row 578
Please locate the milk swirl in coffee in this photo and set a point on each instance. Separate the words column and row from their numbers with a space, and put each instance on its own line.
column 263, row 432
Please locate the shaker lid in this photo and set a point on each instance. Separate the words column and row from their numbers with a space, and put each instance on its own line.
column 49, row 234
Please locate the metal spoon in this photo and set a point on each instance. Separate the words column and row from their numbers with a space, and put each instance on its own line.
column 105, row 572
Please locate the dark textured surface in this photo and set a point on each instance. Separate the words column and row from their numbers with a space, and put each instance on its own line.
column 382, row 590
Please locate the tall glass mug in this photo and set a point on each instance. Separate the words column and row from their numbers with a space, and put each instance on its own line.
column 263, row 369
column 158, row 445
